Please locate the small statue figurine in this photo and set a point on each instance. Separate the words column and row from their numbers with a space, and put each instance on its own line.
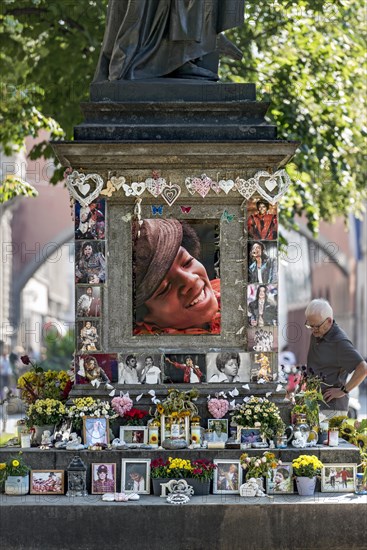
column 46, row 439
column 75, row 442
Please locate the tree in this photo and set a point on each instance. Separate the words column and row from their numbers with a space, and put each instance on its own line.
column 307, row 57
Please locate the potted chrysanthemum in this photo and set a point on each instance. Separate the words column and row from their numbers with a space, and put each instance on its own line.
column 15, row 474
column 306, row 468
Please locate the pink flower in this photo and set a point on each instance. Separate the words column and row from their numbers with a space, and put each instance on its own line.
column 122, row 405
column 218, row 407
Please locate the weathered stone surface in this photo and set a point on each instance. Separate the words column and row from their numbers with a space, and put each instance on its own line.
column 174, row 444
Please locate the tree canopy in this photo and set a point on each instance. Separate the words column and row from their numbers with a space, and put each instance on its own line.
column 306, row 57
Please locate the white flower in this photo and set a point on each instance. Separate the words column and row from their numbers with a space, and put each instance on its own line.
column 82, row 414
column 263, row 459
column 104, row 412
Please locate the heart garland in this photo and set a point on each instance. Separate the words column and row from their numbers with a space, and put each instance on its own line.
column 79, row 186
column 171, row 192
column 279, row 179
column 155, row 186
column 226, row 185
column 117, row 182
column 246, row 187
column 136, row 188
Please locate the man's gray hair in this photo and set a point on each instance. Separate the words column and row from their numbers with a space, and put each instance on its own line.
column 319, row 307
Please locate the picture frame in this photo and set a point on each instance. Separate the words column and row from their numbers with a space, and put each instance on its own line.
column 47, row 482
column 227, row 477
column 185, row 434
column 103, row 478
column 248, row 436
column 134, row 435
column 95, row 430
column 218, row 430
column 338, row 478
column 135, row 476
column 279, row 480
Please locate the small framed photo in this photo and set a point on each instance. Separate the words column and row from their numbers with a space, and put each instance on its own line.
column 135, row 476
column 47, row 482
column 95, row 430
column 248, row 436
column 338, row 478
column 218, row 429
column 103, row 478
column 279, row 481
column 227, row 476
column 134, row 435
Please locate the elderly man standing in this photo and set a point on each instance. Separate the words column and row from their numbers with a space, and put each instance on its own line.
column 331, row 355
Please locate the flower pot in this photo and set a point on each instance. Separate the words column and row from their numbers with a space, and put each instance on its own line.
column 17, row 485
column 306, row 486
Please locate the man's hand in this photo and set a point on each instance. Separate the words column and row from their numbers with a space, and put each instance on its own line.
column 333, row 393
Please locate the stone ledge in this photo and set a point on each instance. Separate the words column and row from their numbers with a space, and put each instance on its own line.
column 216, row 522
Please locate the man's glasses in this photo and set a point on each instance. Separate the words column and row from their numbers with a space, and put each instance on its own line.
column 315, row 326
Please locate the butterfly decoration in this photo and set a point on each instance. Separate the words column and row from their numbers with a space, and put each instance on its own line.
column 157, row 210
column 110, row 189
column 227, row 217
column 185, row 209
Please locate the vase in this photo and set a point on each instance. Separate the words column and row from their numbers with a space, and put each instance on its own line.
column 306, row 486
column 156, row 482
column 38, row 431
column 17, row 485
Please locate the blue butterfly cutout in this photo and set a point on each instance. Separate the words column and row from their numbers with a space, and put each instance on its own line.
column 226, row 217
column 157, row 210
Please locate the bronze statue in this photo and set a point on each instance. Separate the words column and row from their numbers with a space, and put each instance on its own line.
column 146, row 39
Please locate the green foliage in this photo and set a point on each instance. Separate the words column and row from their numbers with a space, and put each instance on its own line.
column 14, row 186
column 307, row 57
column 59, row 350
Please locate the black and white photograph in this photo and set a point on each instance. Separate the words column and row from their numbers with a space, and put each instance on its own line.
column 135, row 368
column 188, row 368
column 262, row 339
column 135, row 476
column 228, row 366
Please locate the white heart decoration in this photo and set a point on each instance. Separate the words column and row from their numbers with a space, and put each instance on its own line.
column 171, row 192
column 78, row 187
column 246, row 187
column 283, row 181
column 155, row 186
column 215, row 187
column 118, row 182
column 226, row 185
column 271, row 184
column 138, row 188
column 189, row 185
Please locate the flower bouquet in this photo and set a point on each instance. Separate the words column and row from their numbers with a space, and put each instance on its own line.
column 87, row 406
column 259, row 412
column 256, row 466
column 177, row 409
column 307, row 466
column 40, row 384
column 123, row 406
column 14, row 468
column 45, row 412
column 217, row 407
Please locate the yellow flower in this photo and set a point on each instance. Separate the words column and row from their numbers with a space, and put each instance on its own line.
column 160, row 409
column 2, row 465
column 15, row 463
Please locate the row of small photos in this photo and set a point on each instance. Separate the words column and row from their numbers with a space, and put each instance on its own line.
column 228, row 477
column 189, row 368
